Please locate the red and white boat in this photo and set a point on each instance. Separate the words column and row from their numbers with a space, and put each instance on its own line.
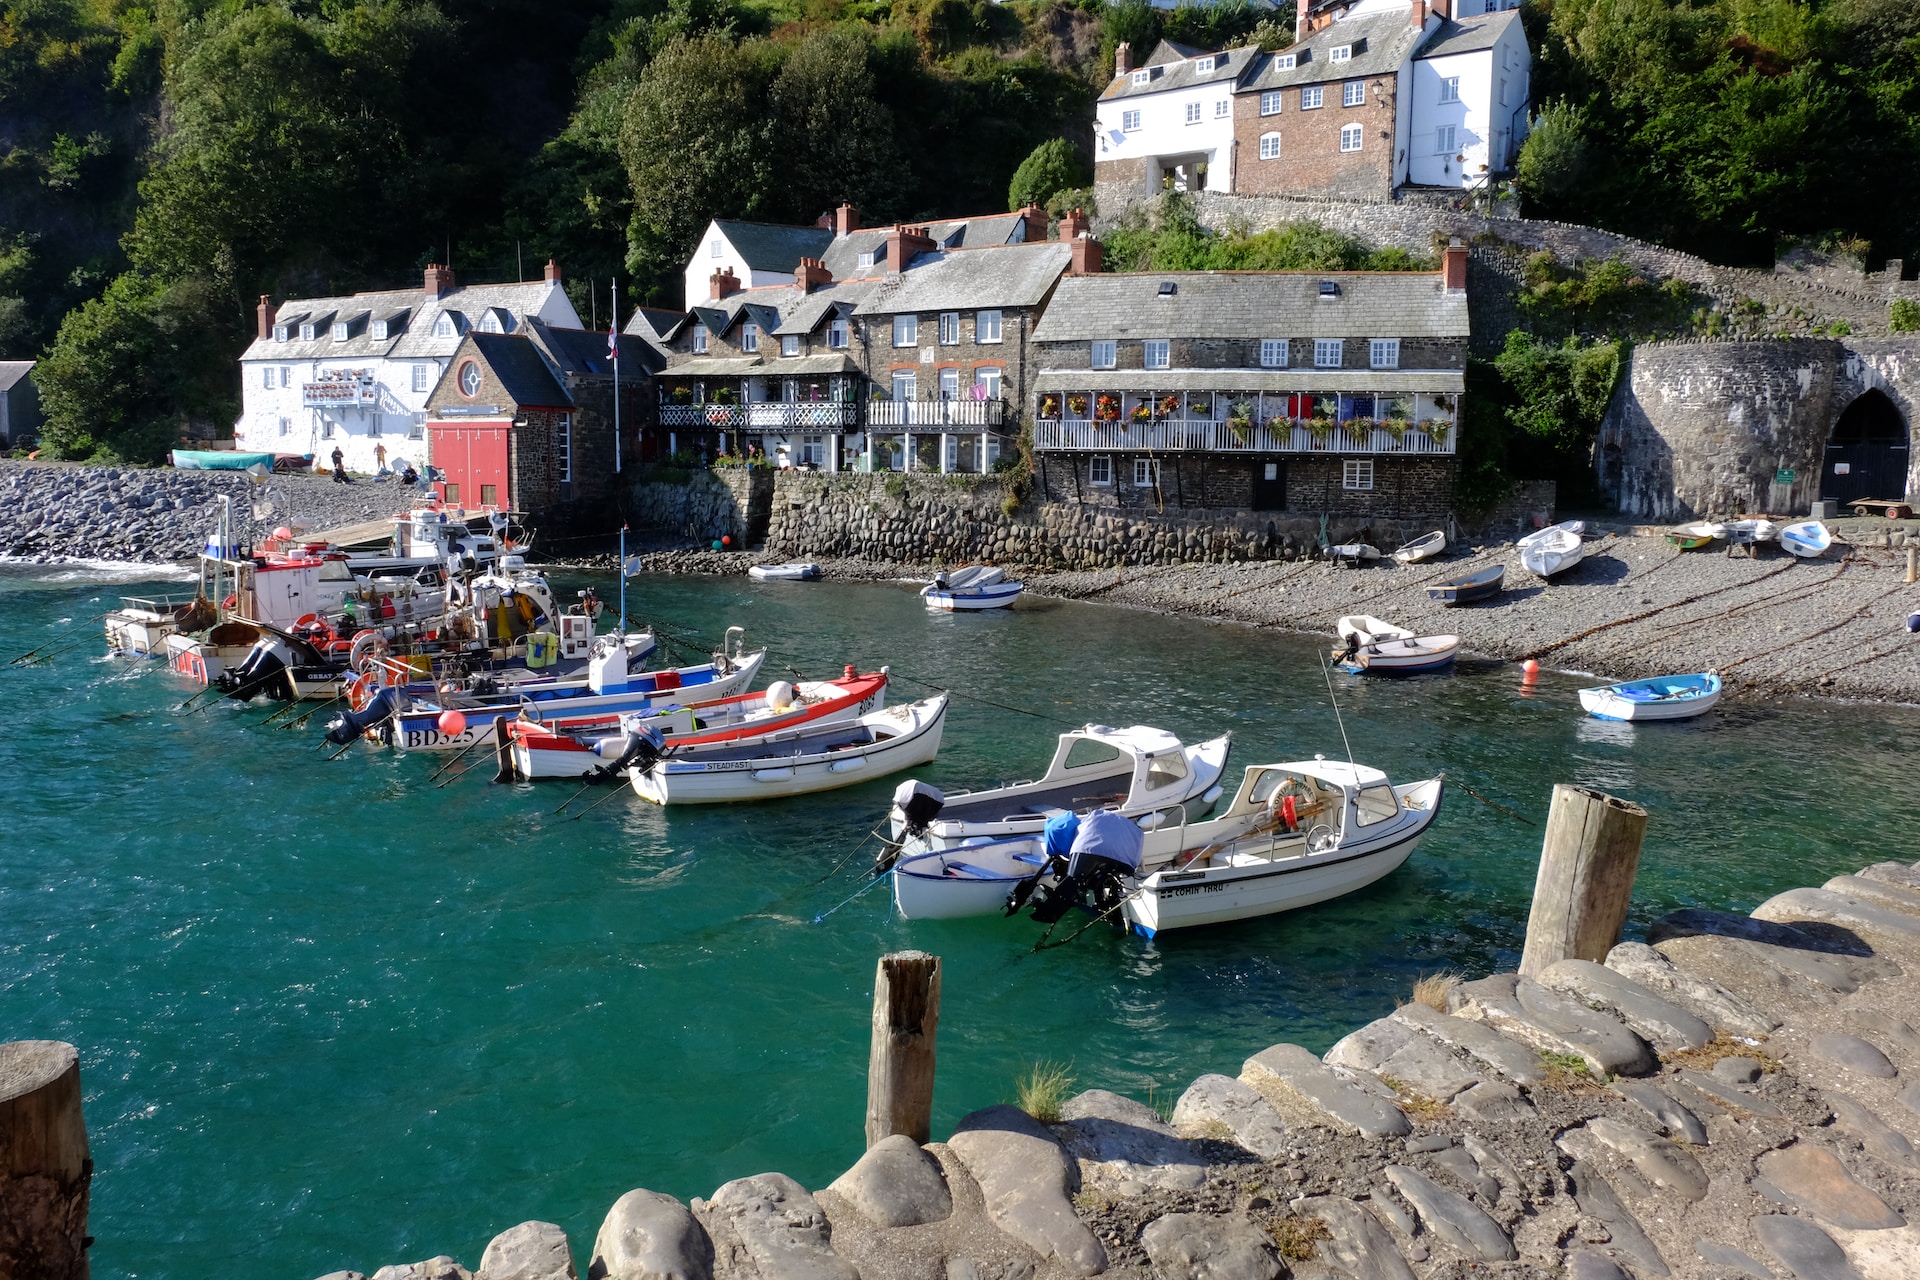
column 575, row 746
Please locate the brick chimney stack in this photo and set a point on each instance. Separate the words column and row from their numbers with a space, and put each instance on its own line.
column 845, row 219
column 1454, row 266
column 1301, row 27
column 439, row 280
column 1123, row 56
column 553, row 271
column 721, row 283
column 265, row 314
column 811, row 274
column 903, row 243
column 1073, row 224
column 1036, row 219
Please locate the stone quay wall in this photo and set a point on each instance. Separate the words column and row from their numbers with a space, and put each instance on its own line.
column 1730, row 1098
column 1702, row 428
column 727, row 502
column 1795, row 302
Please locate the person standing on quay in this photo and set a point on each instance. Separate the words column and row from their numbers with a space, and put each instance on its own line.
column 339, row 467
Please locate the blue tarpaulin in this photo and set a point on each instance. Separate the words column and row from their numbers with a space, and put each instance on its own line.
column 1105, row 834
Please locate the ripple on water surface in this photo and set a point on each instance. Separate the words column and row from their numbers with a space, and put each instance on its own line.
column 332, row 1016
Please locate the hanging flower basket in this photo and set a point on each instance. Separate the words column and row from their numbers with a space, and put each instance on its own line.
column 1167, row 407
column 1143, row 412
column 1050, row 408
column 1077, row 406
column 1320, row 429
column 1437, row 430
column 1106, row 409
column 1395, row 427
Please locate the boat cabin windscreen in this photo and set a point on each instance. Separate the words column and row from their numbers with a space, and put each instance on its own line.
column 1089, row 753
column 1374, row 804
column 1166, row 769
column 335, row 571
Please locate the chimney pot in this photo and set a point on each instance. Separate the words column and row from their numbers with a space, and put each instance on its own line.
column 553, row 270
column 721, row 283
column 811, row 274
column 1073, row 224
column 1088, row 257
column 439, row 280
column 845, row 219
column 1036, row 219
column 903, row 243
column 1123, row 56
column 266, row 316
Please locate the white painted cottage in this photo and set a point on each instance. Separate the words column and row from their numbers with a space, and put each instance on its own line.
column 355, row 372
column 1472, row 82
column 1171, row 117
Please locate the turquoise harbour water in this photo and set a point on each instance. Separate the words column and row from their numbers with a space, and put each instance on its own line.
column 330, row 1016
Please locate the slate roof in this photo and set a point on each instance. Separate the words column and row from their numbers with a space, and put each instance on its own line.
column 1380, row 42
column 1468, row 36
column 1253, row 304
column 842, row 257
column 413, row 339
column 1230, row 66
column 11, row 371
column 809, row 311
column 1233, row 378
column 768, row 246
column 754, row 366
column 659, row 322
column 967, row 279
column 524, row 375
column 584, row 351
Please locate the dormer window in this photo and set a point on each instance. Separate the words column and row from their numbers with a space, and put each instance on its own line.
column 1143, row 76
column 443, row 326
column 339, row 330
column 492, row 322
column 837, row 334
column 699, row 339
column 1283, row 61
column 1202, row 65
column 279, row 333
column 866, row 259
column 306, row 332
column 380, row 330
column 1340, row 53
column 749, row 336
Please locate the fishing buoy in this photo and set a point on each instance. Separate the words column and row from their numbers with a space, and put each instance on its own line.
column 452, row 723
column 779, row 695
column 716, row 544
column 726, row 539
column 1530, row 671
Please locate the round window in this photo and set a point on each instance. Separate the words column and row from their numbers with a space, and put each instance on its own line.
column 469, row 379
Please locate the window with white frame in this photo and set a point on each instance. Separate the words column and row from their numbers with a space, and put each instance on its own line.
column 1273, row 353
column 306, row 333
column 1283, row 62
column 987, row 379
column 417, row 429
column 1193, row 113
column 490, row 321
column 279, row 333
column 1106, row 353
column 866, row 259
column 1503, row 93
column 713, row 249
column 1340, row 53
column 1353, row 93
column 906, row 331
column 1269, row 146
column 286, row 426
column 1310, row 97
column 470, row 379
column 1202, row 65
column 1143, row 76
column 906, row 386
column 340, row 331
column 750, row 336
column 1156, row 353
column 286, row 376
column 1130, row 121
column 949, row 384
column 837, row 334
column 789, row 344
column 422, row 377
column 949, row 328
column 563, row 447
column 1350, row 137
column 1449, row 88
column 1221, row 108
column 379, row 330
column 699, row 339
column 443, row 326
column 1356, row 473
column 1326, row 353
column 1146, row 472
column 1384, row 353
column 1270, row 102
column 986, row 326
column 266, row 377
column 1100, row 469
column 1443, row 140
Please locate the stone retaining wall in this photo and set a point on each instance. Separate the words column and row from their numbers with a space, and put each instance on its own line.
column 728, row 502
column 1727, row 1099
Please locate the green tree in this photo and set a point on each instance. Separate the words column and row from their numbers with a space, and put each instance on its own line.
column 1553, row 159
column 832, row 140
column 1053, row 166
column 1560, row 392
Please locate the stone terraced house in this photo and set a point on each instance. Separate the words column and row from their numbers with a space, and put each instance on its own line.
column 1334, row 392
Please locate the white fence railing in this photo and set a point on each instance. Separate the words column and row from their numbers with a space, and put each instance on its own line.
column 936, row 413
column 1177, row 435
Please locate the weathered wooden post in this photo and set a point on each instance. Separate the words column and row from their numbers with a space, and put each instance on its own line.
column 1913, row 562
column 906, row 1013
column 44, row 1168
column 1587, row 864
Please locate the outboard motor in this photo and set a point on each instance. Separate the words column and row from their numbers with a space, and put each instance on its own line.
column 1057, row 845
column 350, row 726
column 254, row 676
column 1105, row 855
column 917, row 804
column 636, row 748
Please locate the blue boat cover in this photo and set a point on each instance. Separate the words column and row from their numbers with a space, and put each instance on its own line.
column 1059, row 833
column 1105, row 834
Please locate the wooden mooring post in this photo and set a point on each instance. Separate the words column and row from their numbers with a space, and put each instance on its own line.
column 45, row 1171
column 906, row 1014
column 1587, row 863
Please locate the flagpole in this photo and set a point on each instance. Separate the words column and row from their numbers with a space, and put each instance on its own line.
column 613, row 340
column 623, row 580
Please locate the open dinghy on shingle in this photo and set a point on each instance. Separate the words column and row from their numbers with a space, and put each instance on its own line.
column 1422, row 548
column 1482, row 584
column 1660, row 698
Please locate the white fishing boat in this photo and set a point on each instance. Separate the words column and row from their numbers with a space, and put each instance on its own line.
column 1425, row 548
column 795, row 571
column 1552, row 550
column 1751, row 530
column 1353, row 554
column 977, row 586
column 1660, row 698
column 1294, row 834
column 798, row 761
column 1380, row 647
column 1807, row 539
column 1138, row 770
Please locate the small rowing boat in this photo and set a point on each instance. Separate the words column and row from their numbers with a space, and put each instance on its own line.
column 1808, row 539
column 1482, row 584
column 794, row 571
column 1692, row 537
column 977, row 586
column 1422, row 548
column 799, row 761
column 1552, row 550
column 1751, row 530
column 1352, row 555
column 1384, row 649
column 1660, row 698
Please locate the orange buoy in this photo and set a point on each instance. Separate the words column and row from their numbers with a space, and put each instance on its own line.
column 452, row 723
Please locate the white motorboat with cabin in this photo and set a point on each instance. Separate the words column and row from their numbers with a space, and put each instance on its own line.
column 1138, row 770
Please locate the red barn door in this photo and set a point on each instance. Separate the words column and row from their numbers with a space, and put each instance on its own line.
column 474, row 457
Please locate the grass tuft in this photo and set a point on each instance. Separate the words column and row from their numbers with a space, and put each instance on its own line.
column 1565, row 1070
column 1044, row 1089
column 1721, row 1046
column 1433, row 989
column 1297, row 1239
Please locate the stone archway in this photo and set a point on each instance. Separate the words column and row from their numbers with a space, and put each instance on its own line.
column 1868, row 453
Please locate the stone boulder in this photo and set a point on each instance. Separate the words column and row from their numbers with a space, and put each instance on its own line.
column 1200, row 1246
column 768, row 1227
column 1225, row 1109
column 1122, row 1141
column 440, row 1268
column 650, row 1236
column 530, row 1251
column 896, row 1184
column 1026, row 1180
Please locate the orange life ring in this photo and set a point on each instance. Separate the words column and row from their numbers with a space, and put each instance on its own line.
column 360, row 691
column 231, row 602
column 1290, row 813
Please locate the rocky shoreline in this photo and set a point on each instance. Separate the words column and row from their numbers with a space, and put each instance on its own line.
column 1635, row 607
column 1729, row 1099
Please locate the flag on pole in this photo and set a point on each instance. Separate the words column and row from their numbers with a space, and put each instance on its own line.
column 613, row 344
